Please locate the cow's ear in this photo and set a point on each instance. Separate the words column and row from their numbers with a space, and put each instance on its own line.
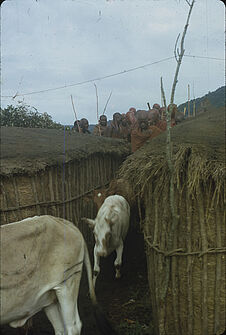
column 90, row 222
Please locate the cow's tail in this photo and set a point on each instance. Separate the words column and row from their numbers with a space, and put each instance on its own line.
column 102, row 322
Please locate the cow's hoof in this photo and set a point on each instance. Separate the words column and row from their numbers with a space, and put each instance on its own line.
column 118, row 275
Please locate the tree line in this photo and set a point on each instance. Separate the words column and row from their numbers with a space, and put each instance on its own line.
column 26, row 116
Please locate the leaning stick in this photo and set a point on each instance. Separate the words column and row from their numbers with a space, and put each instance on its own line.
column 97, row 109
column 107, row 102
column 79, row 129
column 149, row 107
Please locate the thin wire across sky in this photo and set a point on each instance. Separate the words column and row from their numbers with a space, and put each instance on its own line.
column 104, row 77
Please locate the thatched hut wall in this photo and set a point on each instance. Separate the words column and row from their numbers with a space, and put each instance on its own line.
column 42, row 179
column 187, row 279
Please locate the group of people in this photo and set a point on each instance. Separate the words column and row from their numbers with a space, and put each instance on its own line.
column 136, row 126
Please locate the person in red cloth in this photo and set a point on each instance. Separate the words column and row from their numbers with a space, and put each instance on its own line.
column 131, row 119
column 125, row 130
column 143, row 132
column 114, row 127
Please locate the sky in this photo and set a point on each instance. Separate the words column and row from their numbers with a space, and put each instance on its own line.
column 89, row 49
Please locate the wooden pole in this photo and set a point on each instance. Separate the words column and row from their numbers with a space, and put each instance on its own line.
column 189, row 112
column 194, row 111
column 149, row 107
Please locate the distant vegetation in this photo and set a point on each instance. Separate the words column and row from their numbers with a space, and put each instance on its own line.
column 27, row 117
column 216, row 99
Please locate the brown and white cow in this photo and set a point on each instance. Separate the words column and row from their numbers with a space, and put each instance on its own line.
column 41, row 267
column 110, row 228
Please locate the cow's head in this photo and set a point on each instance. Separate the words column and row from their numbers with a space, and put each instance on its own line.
column 102, row 233
column 99, row 197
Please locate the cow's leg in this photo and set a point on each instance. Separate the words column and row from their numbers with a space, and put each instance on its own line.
column 54, row 316
column 96, row 268
column 67, row 294
column 118, row 260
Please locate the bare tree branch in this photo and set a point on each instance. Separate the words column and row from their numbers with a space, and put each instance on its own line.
column 175, row 48
column 188, row 2
column 181, row 52
column 169, row 155
column 163, row 93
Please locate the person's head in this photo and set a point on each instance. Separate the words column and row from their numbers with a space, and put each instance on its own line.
column 132, row 109
column 156, row 106
column 117, row 117
column 153, row 116
column 84, row 124
column 103, row 120
column 130, row 118
column 124, row 122
column 76, row 125
column 142, row 118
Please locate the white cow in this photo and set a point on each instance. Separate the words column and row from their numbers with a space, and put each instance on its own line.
column 41, row 266
column 110, row 228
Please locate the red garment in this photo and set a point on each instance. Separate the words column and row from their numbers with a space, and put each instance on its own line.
column 138, row 137
column 162, row 124
column 155, row 131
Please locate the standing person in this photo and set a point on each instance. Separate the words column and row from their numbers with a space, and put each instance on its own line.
column 101, row 128
column 114, row 128
column 76, row 126
column 84, row 125
column 131, row 119
column 153, row 116
column 143, row 132
column 156, row 106
column 133, row 110
column 125, row 129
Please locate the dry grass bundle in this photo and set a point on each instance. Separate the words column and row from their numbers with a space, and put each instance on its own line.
column 187, row 282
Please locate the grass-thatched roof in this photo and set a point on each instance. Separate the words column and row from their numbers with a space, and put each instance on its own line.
column 26, row 150
column 198, row 149
column 183, row 223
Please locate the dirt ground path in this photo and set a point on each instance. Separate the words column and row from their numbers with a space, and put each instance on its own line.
column 126, row 302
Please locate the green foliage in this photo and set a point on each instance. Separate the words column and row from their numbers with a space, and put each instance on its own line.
column 26, row 116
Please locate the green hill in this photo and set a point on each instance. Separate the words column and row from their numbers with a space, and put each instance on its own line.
column 216, row 99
